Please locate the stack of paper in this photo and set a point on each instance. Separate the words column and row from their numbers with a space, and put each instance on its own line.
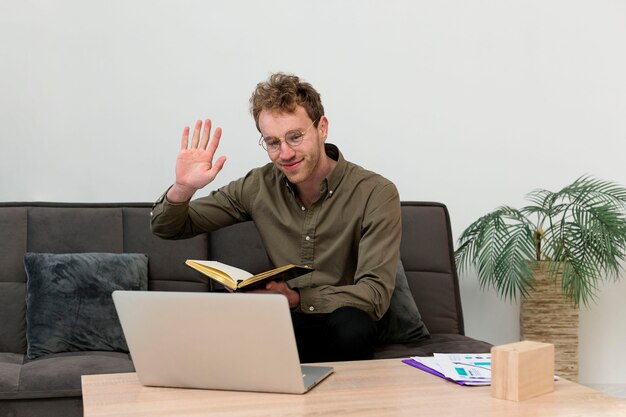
column 461, row 368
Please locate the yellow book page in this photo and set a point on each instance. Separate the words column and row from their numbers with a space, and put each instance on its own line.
column 226, row 274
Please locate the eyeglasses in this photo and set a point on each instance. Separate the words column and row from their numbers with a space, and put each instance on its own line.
column 292, row 138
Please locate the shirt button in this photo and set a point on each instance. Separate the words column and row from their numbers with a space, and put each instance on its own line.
column 303, row 208
column 330, row 192
column 308, row 238
column 311, row 308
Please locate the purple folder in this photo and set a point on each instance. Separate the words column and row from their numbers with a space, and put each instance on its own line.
column 432, row 371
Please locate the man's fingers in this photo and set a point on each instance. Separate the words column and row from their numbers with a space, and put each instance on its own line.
column 205, row 134
column 184, row 142
column 215, row 141
column 217, row 166
column 196, row 134
column 200, row 140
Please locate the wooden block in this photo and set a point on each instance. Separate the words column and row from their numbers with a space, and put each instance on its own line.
column 522, row 370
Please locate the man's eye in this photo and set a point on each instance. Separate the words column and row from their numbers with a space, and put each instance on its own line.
column 272, row 143
column 293, row 137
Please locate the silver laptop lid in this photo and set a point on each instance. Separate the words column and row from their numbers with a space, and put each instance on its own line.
column 212, row 340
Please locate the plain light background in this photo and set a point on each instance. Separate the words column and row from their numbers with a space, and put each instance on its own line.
column 470, row 103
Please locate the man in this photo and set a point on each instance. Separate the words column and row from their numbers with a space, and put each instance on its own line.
column 311, row 207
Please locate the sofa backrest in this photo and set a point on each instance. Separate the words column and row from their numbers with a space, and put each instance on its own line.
column 101, row 227
column 427, row 252
column 72, row 228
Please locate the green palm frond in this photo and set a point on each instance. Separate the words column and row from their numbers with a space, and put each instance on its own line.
column 513, row 274
column 589, row 191
column 540, row 198
column 581, row 229
column 501, row 242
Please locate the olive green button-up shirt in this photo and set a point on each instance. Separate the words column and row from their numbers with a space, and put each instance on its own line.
column 350, row 235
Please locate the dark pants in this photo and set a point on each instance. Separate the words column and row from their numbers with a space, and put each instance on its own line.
column 343, row 335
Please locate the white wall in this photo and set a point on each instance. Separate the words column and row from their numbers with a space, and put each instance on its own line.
column 471, row 103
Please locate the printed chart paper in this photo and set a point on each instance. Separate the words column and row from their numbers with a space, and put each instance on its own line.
column 461, row 368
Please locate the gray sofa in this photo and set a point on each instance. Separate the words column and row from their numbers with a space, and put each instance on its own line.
column 50, row 385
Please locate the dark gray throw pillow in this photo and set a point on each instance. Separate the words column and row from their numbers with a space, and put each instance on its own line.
column 68, row 300
column 402, row 323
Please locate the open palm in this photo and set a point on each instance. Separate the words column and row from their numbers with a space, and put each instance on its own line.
column 194, row 166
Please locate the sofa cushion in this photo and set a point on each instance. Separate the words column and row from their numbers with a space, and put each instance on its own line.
column 437, row 343
column 13, row 244
column 68, row 300
column 55, row 375
column 12, row 313
column 402, row 322
column 10, row 366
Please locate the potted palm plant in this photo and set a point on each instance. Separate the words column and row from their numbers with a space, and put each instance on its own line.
column 553, row 254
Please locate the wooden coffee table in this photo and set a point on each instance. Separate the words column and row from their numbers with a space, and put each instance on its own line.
column 363, row 388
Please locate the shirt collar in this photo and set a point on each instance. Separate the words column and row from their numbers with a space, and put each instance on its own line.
column 335, row 176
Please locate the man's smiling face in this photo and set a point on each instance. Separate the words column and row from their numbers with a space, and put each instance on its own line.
column 302, row 162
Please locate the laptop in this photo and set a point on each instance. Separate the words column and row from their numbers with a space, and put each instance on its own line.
column 223, row 341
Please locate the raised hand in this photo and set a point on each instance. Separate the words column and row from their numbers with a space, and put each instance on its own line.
column 195, row 167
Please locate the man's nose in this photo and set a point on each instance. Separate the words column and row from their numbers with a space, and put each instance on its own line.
column 286, row 151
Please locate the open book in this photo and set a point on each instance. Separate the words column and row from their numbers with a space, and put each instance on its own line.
column 239, row 280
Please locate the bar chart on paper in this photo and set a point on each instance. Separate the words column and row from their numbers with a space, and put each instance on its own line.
column 461, row 368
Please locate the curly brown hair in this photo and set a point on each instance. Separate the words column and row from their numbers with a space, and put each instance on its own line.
column 284, row 92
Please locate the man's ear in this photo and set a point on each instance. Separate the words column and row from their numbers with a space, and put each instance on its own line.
column 322, row 127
